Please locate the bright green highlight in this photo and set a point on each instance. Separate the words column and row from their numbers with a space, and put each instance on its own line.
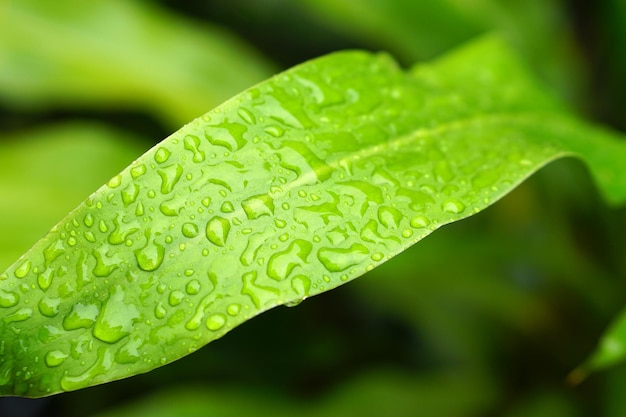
column 288, row 190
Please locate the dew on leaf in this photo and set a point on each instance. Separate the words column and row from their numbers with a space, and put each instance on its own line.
column 55, row 358
column 8, row 299
column 453, row 206
column 169, row 177
column 258, row 205
column 116, row 317
column 81, row 316
column 23, row 269
column 162, row 155
column 49, row 307
column 419, row 221
column 216, row 322
column 338, row 259
column 281, row 264
column 176, row 297
column 193, row 287
column 192, row 143
column 190, row 230
column 150, row 257
column 217, row 230
column 233, row 309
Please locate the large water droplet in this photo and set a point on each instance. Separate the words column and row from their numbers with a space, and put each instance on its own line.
column 116, row 318
column 55, row 358
column 49, row 307
column 105, row 263
column 192, row 143
column 258, row 205
column 8, row 299
column 23, row 269
column 162, row 155
column 419, row 222
column 130, row 193
column 453, row 206
column 337, row 259
column 151, row 256
column 45, row 279
column 169, row 177
column 281, row 264
column 389, row 217
column 193, row 287
column 216, row 322
column 20, row 315
column 217, row 230
column 190, row 230
column 176, row 297
column 233, row 309
column 81, row 316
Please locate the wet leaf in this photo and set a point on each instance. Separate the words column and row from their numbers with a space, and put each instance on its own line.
column 288, row 190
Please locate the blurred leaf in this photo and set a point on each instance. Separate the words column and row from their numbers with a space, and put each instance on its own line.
column 45, row 173
column 419, row 29
column 369, row 395
column 119, row 53
column 290, row 189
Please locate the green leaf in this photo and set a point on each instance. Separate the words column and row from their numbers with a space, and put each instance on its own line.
column 288, row 190
column 119, row 54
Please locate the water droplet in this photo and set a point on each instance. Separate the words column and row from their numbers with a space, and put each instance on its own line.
column 389, row 217
column 281, row 264
column 81, row 316
column 102, row 226
column 172, row 207
column 280, row 223
column 193, row 287
column 105, row 264
column 192, row 143
column 419, row 222
column 217, row 230
column 88, row 220
column 227, row 207
column 453, row 206
column 130, row 193
column 115, row 181
column 101, row 366
column 129, row 353
column 258, row 205
column 160, row 311
column 337, row 259
column 216, row 322
column 49, row 307
column 162, row 155
column 170, row 177
column 137, row 171
column 275, row 131
column 90, row 237
column 176, row 297
column 116, row 318
column 44, row 279
column 55, row 358
column 407, row 233
column 246, row 115
column 20, row 315
column 151, row 256
column 233, row 309
column 190, row 230
column 23, row 269
column 8, row 299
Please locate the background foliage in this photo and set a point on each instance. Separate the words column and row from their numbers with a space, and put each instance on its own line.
column 484, row 318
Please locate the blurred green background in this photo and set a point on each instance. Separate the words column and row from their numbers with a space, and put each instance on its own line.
column 484, row 318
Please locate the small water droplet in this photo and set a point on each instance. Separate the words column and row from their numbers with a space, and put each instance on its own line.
column 193, row 287
column 246, row 115
column 49, row 307
column 453, row 206
column 116, row 318
column 160, row 311
column 162, row 155
column 115, row 181
column 20, row 315
column 23, row 269
column 88, row 220
column 338, row 259
column 190, row 230
column 137, row 171
column 151, row 256
column 217, row 230
column 176, row 297
column 275, row 131
column 55, row 358
column 8, row 299
column 216, row 322
column 419, row 222
column 227, row 207
column 192, row 143
column 258, row 205
column 407, row 233
column 233, row 309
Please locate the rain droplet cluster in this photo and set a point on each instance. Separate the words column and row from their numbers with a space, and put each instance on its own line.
column 290, row 189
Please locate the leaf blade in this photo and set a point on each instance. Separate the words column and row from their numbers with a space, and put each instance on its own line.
column 292, row 188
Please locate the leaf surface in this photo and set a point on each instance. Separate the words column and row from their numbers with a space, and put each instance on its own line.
column 288, row 190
